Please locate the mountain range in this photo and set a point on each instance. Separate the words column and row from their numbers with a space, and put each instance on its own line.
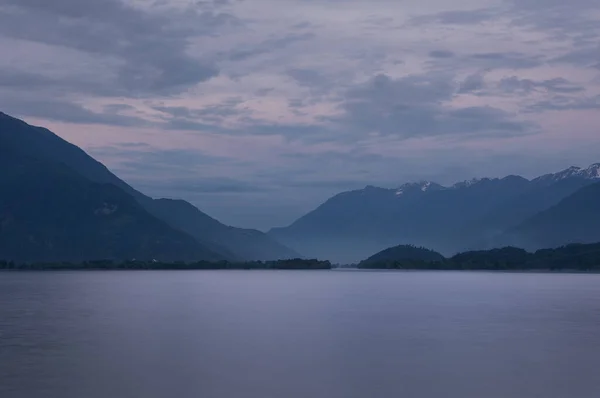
column 548, row 211
column 58, row 203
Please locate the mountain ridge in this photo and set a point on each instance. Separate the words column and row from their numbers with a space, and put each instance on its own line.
column 48, row 212
column 26, row 140
column 464, row 216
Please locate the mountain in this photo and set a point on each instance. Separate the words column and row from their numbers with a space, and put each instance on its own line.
column 539, row 196
column 353, row 225
column 48, row 212
column 247, row 244
column 575, row 219
column 403, row 253
column 468, row 215
column 24, row 140
column 591, row 173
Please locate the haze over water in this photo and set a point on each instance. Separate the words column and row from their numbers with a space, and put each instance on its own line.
column 340, row 334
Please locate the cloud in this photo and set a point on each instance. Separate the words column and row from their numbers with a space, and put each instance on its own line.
column 65, row 111
column 185, row 187
column 214, row 113
column 172, row 167
column 417, row 106
column 149, row 46
column 252, row 109
column 575, row 21
column 308, row 77
column 441, row 54
column 515, row 85
column 505, row 60
column 566, row 103
column 459, row 17
column 245, row 52
column 588, row 57
column 472, row 83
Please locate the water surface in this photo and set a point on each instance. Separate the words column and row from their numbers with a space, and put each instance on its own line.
column 339, row 334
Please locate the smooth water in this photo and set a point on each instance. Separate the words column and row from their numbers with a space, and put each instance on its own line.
column 338, row 334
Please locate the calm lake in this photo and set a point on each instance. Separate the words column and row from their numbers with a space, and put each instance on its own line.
column 329, row 334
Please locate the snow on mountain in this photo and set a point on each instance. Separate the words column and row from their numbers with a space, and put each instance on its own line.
column 591, row 173
column 467, row 183
column 422, row 186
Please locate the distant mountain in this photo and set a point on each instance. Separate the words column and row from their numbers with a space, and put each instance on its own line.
column 22, row 140
column 591, row 173
column 246, row 244
column 404, row 253
column 48, row 212
column 575, row 219
column 466, row 216
column 539, row 196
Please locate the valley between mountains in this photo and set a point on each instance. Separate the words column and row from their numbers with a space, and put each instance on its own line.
column 57, row 203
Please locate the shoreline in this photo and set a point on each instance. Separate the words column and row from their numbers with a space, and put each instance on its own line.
column 382, row 270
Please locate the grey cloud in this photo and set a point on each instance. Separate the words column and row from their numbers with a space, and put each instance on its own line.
column 506, row 60
column 484, row 61
column 584, row 57
column 263, row 92
column 580, row 5
column 472, row 83
column 184, row 124
column 150, row 46
column 321, row 85
column 465, row 17
column 296, row 103
column 208, row 120
column 24, row 81
column 144, row 161
column 117, row 108
column 20, row 79
column 575, row 21
column 137, row 145
column 564, row 103
column 308, row 77
column 414, row 107
column 204, row 186
column 416, row 89
column 267, row 46
column 214, row 113
column 65, row 111
column 484, row 120
column 514, row 84
column 154, row 169
column 441, row 54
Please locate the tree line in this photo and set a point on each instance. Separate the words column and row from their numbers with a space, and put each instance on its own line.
column 292, row 264
column 578, row 257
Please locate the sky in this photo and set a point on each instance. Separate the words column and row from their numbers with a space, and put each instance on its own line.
column 257, row 111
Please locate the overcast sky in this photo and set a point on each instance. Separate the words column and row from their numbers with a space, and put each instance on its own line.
column 258, row 110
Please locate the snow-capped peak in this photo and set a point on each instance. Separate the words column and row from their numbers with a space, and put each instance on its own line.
column 572, row 171
column 591, row 173
column 466, row 183
column 422, row 186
